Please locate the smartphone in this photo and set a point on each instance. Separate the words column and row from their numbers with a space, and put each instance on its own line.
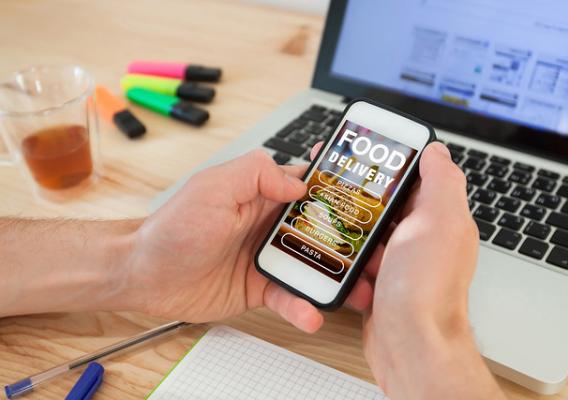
column 320, row 243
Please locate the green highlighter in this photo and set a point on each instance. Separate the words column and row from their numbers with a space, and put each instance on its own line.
column 168, row 105
column 173, row 87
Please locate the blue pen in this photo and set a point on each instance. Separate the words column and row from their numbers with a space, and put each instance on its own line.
column 88, row 383
column 28, row 384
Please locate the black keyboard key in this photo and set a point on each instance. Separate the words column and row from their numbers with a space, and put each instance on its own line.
column 559, row 257
column 457, row 157
column 511, row 221
column 497, row 170
column 523, row 193
column 499, row 185
column 299, row 137
column 537, row 230
column 500, row 160
column 318, row 108
column 475, row 164
column 476, row 153
column 524, row 167
column 560, row 237
column 564, row 208
column 484, row 196
column 508, row 204
column 313, row 116
column 315, row 129
column 565, row 179
column 285, row 147
column 469, row 188
column 485, row 229
column 548, row 200
column 312, row 141
column 281, row 158
column 544, row 184
column 332, row 122
column 533, row 248
column 486, row 213
column 563, row 191
column 455, row 147
column 521, row 177
column 476, row 178
column 286, row 131
column 558, row 220
column 507, row 239
column 548, row 174
column 533, row 212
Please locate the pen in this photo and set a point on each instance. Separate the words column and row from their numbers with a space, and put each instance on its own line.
column 114, row 110
column 169, row 86
column 168, row 105
column 88, row 383
column 28, row 384
column 188, row 72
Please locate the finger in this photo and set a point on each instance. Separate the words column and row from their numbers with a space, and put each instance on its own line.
column 443, row 185
column 361, row 296
column 295, row 170
column 256, row 173
column 297, row 311
column 315, row 150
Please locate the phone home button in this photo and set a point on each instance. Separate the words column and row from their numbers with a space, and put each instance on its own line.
column 312, row 253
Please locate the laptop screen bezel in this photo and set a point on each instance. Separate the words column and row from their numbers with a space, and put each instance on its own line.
column 516, row 136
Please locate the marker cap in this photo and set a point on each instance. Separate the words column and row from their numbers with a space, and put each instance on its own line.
column 201, row 73
column 195, row 92
column 129, row 124
column 188, row 113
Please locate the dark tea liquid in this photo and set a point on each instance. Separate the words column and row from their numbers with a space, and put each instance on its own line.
column 59, row 157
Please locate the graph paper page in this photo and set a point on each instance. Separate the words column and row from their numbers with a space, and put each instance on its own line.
column 228, row 364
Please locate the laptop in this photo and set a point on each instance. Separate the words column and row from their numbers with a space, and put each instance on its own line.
column 492, row 77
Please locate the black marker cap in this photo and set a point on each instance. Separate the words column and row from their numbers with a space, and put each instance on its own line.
column 187, row 112
column 195, row 92
column 201, row 73
column 128, row 124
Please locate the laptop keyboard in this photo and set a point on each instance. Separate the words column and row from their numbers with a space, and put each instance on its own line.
column 517, row 207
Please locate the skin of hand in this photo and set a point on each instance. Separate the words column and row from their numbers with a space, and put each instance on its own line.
column 194, row 257
column 417, row 338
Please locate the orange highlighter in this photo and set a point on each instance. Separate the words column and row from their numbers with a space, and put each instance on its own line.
column 114, row 110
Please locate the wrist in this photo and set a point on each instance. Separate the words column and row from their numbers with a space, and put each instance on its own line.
column 429, row 360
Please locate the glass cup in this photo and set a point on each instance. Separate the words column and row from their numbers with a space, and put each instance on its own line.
column 50, row 129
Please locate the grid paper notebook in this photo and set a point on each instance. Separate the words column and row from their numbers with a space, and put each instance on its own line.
column 228, row 364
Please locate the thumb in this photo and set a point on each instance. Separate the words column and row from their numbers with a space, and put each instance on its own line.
column 443, row 184
column 257, row 174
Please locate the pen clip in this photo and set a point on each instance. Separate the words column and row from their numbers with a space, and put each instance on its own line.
column 88, row 383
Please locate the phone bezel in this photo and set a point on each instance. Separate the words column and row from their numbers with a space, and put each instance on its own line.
column 305, row 281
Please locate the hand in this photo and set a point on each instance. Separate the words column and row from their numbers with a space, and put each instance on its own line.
column 416, row 335
column 193, row 259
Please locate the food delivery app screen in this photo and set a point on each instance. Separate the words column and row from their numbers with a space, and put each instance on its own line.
column 347, row 193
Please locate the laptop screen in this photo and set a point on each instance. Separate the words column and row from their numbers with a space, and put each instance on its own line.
column 505, row 59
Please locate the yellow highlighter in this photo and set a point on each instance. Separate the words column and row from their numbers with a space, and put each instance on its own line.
column 172, row 87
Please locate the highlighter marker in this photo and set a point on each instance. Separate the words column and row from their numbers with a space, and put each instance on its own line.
column 168, row 105
column 114, row 110
column 187, row 72
column 169, row 86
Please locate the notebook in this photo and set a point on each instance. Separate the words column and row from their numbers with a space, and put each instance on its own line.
column 228, row 364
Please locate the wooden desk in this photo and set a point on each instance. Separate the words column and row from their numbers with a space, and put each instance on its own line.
column 267, row 55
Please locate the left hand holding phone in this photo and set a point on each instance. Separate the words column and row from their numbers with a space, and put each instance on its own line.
column 194, row 257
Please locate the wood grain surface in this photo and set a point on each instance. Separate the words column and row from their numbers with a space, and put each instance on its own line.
column 267, row 55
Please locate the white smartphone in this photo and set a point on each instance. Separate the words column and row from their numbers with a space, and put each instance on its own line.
column 320, row 243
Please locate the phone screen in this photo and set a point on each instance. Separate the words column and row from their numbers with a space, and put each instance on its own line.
column 347, row 193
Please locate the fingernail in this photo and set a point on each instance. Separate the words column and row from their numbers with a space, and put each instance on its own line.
column 440, row 148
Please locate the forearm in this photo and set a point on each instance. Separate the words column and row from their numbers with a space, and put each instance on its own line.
column 433, row 363
column 58, row 265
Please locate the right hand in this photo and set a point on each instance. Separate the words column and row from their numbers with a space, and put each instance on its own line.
column 418, row 323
